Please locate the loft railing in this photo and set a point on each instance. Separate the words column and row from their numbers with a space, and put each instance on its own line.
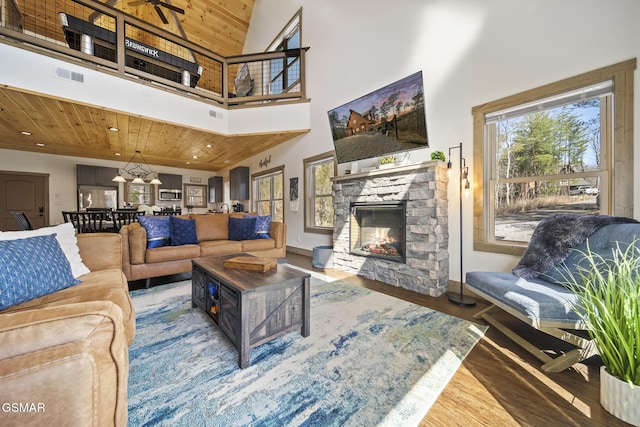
column 106, row 37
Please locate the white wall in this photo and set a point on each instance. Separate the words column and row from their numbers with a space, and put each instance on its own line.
column 470, row 52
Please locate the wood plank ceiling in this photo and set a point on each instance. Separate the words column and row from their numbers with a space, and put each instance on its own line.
column 64, row 127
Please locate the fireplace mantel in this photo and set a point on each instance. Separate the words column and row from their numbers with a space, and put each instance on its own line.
column 423, row 188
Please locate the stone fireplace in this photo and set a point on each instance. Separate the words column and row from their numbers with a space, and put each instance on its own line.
column 391, row 225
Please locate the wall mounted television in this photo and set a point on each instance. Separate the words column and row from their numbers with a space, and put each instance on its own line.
column 389, row 120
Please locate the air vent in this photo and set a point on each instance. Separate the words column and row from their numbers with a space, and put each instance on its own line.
column 216, row 114
column 69, row 75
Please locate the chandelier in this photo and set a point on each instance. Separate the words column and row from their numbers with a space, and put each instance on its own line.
column 139, row 171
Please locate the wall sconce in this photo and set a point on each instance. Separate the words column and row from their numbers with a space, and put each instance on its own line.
column 139, row 171
column 460, row 299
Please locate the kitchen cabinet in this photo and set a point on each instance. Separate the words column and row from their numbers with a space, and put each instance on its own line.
column 215, row 189
column 96, row 175
column 170, row 181
column 239, row 183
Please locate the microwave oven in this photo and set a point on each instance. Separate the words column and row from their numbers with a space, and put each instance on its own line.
column 169, row 195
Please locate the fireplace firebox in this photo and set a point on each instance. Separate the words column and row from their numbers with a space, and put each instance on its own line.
column 378, row 230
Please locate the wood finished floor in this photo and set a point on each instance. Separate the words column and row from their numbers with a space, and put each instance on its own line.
column 498, row 384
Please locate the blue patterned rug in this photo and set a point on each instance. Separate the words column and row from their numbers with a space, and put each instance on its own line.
column 371, row 359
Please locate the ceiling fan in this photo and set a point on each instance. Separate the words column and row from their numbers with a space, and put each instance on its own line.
column 156, row 5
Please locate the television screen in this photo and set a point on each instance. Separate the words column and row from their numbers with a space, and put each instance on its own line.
column 389, row 120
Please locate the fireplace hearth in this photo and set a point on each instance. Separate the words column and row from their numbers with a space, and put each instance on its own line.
column 391, row 225
column 378, row 230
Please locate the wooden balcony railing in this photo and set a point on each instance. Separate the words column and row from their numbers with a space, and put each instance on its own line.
column 102, row 36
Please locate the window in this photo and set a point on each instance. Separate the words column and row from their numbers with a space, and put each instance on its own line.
column 284, row 74
column 268, row 190
column 551, row 150
column 318, row 199
column 138, row 194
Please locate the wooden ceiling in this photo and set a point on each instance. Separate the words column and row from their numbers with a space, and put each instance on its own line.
column 64, row 127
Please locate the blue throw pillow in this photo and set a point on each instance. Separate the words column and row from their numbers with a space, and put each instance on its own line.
column 183, row 231
column 263, row 226
column 158, row 230
column 242, row 228
column 31, row 268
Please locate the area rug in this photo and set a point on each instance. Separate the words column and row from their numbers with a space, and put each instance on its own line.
column 370, row 360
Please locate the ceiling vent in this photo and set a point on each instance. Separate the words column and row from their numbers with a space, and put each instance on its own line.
column 69, row 75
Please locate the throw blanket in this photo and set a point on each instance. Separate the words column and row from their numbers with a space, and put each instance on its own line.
column 555, row 236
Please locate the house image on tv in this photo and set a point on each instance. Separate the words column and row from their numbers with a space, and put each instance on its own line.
column 359, row 123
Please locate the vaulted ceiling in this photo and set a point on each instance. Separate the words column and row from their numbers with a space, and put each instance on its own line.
column 65, row 127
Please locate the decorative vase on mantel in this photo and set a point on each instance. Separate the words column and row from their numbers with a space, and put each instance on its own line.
column 619, row 398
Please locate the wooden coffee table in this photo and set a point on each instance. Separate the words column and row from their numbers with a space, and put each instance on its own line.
column 251, row 307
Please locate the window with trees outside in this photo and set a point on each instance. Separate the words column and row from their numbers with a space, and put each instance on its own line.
column 284, row 74
column 551, row 150
column 318, row 200
column 268, row 193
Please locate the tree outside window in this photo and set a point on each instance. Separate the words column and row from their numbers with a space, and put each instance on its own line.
column 319, row 193
column 550, row 150
column 269, row 200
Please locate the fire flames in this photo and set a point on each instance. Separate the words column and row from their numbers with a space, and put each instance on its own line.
column 382, row 244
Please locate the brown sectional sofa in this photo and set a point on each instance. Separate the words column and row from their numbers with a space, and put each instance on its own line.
column 65, row 354
column 212, row 230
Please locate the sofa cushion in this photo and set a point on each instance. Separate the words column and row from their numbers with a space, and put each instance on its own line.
column 602, row 243
column 220, row 247
column 158, row 230
column 172, row 253
column 32, row 267
column 212, row 227
column 183, row 231
column 242, row 228
column 66, row 236
column 535, row 298
column 258, row 244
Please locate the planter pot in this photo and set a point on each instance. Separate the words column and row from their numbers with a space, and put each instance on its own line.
column 619, row 398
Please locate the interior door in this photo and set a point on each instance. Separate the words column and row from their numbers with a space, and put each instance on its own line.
column 28, row 192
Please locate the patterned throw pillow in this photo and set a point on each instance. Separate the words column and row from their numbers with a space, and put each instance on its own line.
column 242, row 228
column 158, row 230
column 31, row 268
column 66, row 235
column 183, row 231
column 263, row 226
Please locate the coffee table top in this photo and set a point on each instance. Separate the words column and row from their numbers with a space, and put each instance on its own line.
column 247, row 280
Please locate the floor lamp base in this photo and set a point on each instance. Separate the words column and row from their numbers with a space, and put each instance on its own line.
column 461, row 300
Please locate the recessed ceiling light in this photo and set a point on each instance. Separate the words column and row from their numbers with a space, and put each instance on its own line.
column 114, row 129
column 24, row 132
column 194, row 157
column 40, row 144
column 117, row 154
column 208, row 145
column 227, row 161
column 188, row 163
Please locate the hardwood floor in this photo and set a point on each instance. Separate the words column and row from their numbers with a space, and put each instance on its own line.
column 499, row 383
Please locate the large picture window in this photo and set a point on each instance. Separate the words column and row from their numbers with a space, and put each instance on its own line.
column 268, row 193
column 284, row 74
column 318, row 193
column 551, row 150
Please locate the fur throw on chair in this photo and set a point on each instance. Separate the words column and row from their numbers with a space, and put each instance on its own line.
column 555, row 236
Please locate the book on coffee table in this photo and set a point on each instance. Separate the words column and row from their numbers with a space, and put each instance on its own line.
column 251, row 263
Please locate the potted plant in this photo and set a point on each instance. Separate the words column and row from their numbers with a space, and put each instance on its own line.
column 387, row 161
column 608, row 291
column 438, row 155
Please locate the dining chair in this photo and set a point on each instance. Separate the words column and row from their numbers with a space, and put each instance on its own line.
column 22, row 219
column 125, row 217
column 167, row 213
column 85, row 222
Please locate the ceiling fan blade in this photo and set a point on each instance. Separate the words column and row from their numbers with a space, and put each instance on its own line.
column 172, row 7
column 162, row 17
